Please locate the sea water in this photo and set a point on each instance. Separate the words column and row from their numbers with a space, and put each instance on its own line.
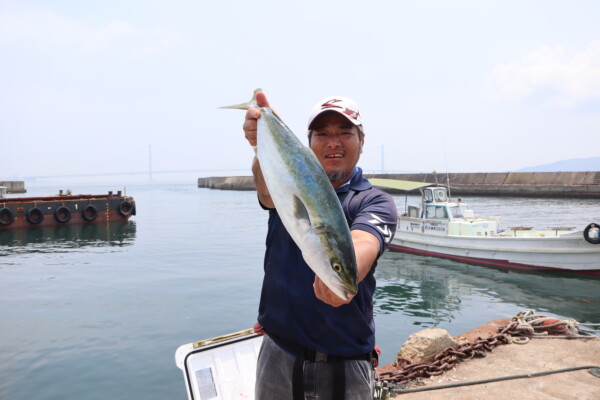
column 97, row 311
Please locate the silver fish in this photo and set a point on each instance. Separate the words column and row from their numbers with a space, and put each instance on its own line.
column 306, row 202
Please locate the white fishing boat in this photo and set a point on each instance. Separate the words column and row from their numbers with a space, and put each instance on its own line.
column 221, row 368
column 449, row 229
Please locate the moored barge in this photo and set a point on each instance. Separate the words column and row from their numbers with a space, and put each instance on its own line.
column 21, row 212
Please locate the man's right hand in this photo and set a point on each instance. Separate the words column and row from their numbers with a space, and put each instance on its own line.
column 252, row 115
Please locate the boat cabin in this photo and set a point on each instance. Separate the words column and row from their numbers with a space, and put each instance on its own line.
column 440, row 216
column 436, row 205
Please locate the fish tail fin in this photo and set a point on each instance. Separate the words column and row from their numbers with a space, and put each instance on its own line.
column 246, row 105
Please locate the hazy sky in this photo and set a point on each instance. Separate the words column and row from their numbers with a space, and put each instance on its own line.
column 462, row 86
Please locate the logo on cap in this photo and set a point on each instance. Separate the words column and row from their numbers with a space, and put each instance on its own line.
column 349, row 112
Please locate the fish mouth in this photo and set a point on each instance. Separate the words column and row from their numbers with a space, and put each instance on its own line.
column 343, row 291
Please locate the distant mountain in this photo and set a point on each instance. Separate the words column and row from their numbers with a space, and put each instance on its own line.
column 572, row 165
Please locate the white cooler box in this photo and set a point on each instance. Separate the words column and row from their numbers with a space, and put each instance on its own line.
column 221, row 368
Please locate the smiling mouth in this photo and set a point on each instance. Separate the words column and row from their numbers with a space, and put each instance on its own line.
column 337, row 155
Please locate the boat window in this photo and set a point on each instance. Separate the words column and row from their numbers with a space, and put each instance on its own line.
column 428, row 195
column 436, row 212
column 456, row 212
column 440, row 194
column 441, row 213
column 413, row 211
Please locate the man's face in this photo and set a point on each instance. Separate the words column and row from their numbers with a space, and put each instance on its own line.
column 337, row 145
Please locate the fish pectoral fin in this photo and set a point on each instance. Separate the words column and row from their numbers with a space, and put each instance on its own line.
column 300, row 211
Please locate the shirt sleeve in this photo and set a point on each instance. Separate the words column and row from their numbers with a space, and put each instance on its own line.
column 377, row 215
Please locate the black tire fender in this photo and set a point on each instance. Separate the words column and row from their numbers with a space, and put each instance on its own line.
column 89, row 213
column 6, row 216
column 62, row 214
column 594, row 238
column 125, row 208
column 34, row 215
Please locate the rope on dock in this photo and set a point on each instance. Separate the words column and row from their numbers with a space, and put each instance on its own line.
column 542, row 325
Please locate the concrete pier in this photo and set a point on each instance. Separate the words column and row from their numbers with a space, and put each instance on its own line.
column 514, row 184
column 227, row 183
column 14, row 186
column 540, row 354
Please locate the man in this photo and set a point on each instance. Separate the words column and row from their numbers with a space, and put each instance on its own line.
column 318, row 345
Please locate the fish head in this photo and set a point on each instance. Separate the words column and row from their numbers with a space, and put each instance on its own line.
column 345, row 282
column 332, row 259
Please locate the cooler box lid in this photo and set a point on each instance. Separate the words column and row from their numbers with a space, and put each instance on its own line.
column 220, row 368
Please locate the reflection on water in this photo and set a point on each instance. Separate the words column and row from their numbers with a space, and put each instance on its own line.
column 432, row 290
column 414, row 290
column 62, row 238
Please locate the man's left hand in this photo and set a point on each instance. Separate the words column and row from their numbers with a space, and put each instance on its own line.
column 325, row 294
column 366, row 247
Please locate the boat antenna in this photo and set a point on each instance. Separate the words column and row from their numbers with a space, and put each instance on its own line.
column 446, row 162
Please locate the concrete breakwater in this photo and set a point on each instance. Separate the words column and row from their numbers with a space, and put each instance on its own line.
column 227, row 183
column 515, row 184
column 14, row 186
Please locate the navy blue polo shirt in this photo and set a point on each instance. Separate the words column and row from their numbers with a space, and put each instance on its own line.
column 288, row 307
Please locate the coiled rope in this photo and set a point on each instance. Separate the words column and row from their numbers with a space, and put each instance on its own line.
column 530, row 324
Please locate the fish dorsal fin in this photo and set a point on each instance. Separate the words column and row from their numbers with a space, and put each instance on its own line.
column 300, row 211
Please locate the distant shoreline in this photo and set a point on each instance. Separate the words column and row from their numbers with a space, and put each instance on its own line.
column 14, row 186
column 514, row 184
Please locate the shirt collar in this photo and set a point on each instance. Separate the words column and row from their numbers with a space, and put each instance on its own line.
column 356, row 182
column 353, row 175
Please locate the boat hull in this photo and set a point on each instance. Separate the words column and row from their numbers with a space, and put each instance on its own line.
column 567, row 254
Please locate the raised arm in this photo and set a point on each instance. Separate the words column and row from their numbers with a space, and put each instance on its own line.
column 250, row 131
column 366, row 248
column 372, row 227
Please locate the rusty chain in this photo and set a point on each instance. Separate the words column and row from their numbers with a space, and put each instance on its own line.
column 449, row 357
column 524, row 325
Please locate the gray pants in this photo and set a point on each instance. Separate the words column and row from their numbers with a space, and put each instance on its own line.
column 274, row 376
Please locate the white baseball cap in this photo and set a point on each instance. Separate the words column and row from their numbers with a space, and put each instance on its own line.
column 340, row 104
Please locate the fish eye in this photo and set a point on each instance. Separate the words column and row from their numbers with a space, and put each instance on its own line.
column 337, row 267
